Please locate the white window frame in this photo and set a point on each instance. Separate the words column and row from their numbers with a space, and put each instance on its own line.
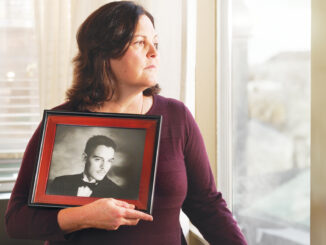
column 224, row 102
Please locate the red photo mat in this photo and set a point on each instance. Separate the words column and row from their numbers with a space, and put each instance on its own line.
column 51, row 119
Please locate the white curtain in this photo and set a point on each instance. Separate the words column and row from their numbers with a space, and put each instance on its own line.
column 53, row 28
column 56, row 25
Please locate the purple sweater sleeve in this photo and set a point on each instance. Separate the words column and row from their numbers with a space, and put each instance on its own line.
column 205, row 206
column 23, row 221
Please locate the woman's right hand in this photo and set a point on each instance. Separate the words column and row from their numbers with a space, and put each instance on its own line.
column 106, row 213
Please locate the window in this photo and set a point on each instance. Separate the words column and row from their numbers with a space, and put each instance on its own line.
column 19, row 99
column 265, row 125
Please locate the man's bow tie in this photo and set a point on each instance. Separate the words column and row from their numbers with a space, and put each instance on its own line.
column 90, row 185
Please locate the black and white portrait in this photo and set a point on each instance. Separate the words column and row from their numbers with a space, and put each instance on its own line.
column 96, row 162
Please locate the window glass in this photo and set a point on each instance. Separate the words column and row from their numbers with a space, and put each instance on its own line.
column 271, row 120
column 19, row 99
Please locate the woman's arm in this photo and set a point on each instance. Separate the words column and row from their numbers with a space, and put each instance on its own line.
column 21, row 220
column 27, row 222
column 205, row 206
column 106, row 213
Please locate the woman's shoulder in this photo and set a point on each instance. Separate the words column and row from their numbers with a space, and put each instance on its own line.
column 171, row 101
column 62, row 107
column 169, row 104
column 172, row 110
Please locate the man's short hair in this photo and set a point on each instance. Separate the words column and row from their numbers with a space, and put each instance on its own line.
column 97, row 140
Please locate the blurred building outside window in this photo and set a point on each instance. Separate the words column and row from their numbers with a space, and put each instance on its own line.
column 267, row 106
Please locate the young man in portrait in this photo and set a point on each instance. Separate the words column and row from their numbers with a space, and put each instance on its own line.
column 92, row 182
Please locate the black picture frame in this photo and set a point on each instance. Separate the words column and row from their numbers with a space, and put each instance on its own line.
column 62, row 150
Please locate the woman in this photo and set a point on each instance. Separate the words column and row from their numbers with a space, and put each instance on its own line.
column 116, row 71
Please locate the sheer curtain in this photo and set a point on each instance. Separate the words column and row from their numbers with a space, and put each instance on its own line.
column 53, row 28
column 56, row 26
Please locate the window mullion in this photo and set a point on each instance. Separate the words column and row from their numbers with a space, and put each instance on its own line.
column 224, row 102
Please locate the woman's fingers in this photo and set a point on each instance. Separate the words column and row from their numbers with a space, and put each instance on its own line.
column 134, row 214
column 106, row 213
column 130, row 221
column 110, row 214
column 123, row 204
column 130, row 213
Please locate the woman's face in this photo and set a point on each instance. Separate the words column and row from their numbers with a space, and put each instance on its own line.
column 137, row 68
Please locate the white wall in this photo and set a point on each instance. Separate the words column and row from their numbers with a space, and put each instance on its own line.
column 168, row 22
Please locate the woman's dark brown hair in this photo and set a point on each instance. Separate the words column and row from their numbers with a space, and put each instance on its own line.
column 105, row 34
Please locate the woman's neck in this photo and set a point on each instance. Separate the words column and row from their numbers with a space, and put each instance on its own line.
column 127, row 103
column 124, row 103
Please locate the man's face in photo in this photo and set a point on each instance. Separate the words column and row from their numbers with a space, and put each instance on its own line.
column 99, row 162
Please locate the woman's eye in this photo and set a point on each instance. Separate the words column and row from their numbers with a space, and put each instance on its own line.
column 140, row 43
column 156, row 46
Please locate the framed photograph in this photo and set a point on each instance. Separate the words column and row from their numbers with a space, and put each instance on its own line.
column 86, row 156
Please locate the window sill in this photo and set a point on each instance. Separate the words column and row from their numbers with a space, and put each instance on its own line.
column 195, row 237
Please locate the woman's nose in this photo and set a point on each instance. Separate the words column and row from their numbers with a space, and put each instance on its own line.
column 152, row 51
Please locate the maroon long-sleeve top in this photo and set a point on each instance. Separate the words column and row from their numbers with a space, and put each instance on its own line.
column 184, row 181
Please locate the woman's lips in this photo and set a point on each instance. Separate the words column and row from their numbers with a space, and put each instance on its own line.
column 150, row 67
